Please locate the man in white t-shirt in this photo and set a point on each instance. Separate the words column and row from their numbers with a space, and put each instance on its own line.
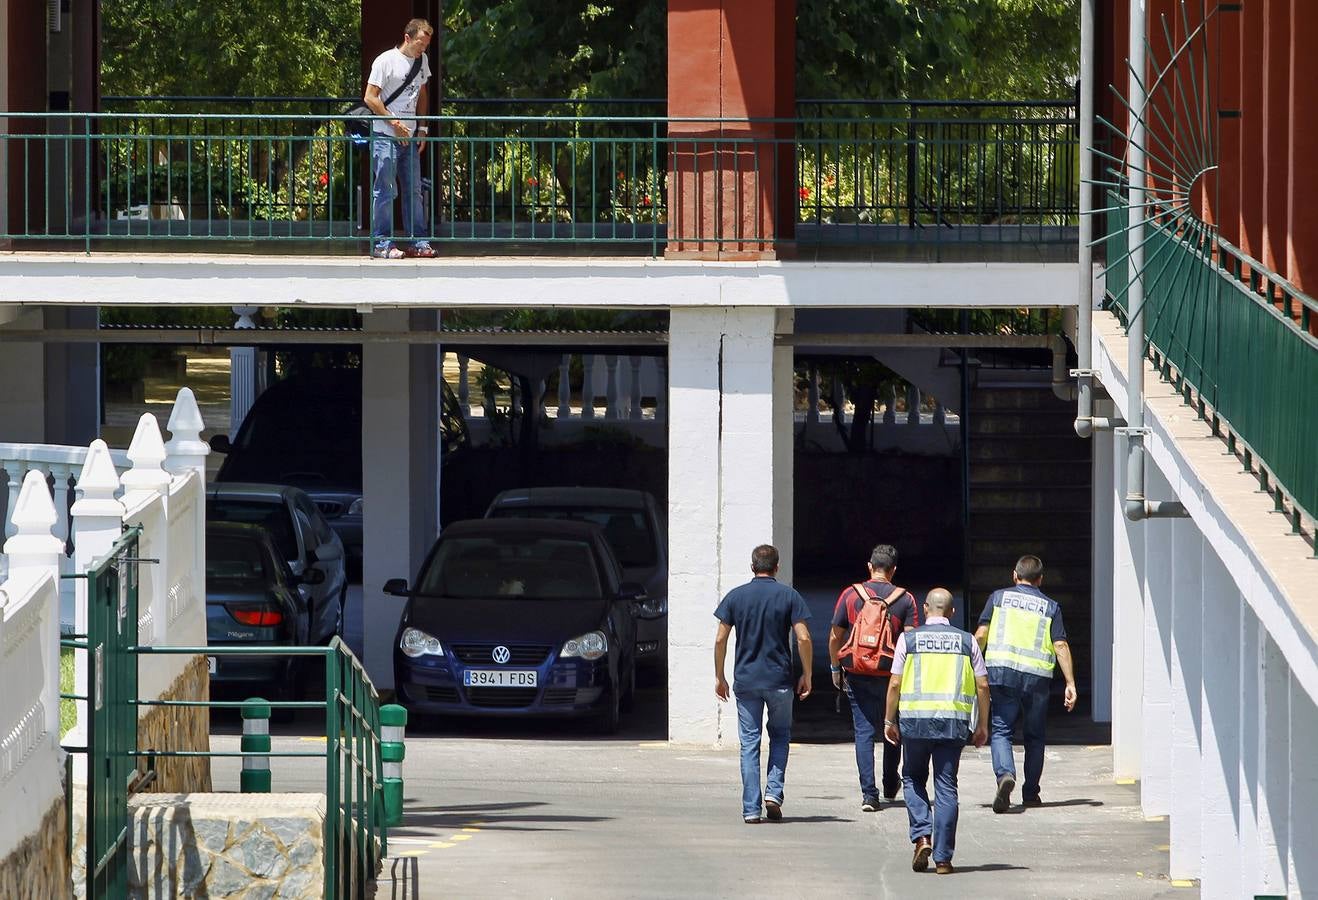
column 397, row 144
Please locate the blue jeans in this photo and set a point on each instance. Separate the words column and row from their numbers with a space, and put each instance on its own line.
column 751, row 705
column 869, row 697
column 1006, row 705
column 395, row 166
column 946, row 758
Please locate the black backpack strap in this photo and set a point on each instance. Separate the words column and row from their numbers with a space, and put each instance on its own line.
column 411, row 76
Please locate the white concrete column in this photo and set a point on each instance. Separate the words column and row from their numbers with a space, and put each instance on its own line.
column 694, row 349
column 588, row 384
column 1273, row 799
column 1219, row 770
column 565, row 387
column 243, row 372
column 1127, row 632
column 1186, row 686
column 1101, row 599
column 1247, row 753
column 1155, row 736
column 723, row 488
column 400, row 473
column 1302, row 874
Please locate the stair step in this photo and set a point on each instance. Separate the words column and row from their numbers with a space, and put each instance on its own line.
column 1003, row 523
column 1014, row 447
column 1053, row 471
column 1057, row 501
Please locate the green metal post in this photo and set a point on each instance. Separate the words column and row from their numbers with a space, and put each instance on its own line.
column 255, row 778
column 393, row 722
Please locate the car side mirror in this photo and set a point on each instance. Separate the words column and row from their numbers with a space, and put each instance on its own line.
column 396, row 587
column 328, row 552
column 632, row 592
column 313, row 577
column 220, row 443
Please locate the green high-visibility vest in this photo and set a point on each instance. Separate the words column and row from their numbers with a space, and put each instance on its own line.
column 1021, row 634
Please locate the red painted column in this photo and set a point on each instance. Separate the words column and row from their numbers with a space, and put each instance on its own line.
column 1164, row 138
column 26, row 58
column 730, row 182
column 1276, row 132
column 1251, row 129
column 1302, row 226
column 1223, row 188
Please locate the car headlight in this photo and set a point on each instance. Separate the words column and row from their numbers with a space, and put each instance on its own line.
column 415, row 642
column 355, row 507
column 652, row 607
column 588, row 646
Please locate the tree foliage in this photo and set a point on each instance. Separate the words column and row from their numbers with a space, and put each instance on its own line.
column 250, row 49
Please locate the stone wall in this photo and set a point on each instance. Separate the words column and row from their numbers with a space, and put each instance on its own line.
column 38, row 869
column 244, row 846
column 179, row 728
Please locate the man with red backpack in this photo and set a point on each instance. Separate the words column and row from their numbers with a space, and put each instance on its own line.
column 866, row 621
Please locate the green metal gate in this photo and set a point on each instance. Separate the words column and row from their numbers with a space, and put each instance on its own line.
column 112, row 587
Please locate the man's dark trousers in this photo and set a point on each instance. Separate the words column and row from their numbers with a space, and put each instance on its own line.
column 1006, row 705
column 940, row 821
column 869, row 695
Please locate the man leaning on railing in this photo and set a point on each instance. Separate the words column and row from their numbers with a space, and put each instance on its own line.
column 396, row 87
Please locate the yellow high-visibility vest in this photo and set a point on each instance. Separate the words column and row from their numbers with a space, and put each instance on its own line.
column 1021, row 634
column 938, row 684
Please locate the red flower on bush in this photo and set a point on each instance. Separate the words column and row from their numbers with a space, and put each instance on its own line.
column 324, row 179
column 532, row 181
column 645, row 201
column 805, row 193
column 622, row 176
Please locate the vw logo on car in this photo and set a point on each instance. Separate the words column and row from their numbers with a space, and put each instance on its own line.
column 501, row 654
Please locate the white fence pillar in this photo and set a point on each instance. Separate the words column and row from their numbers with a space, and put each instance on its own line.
column 187, row 452
column 588, row 386
column 146, row 489
column 97, row 523
column 912, row 405
column 565, row 387
column 243, row 373
column 635, row 412
column 611, row 393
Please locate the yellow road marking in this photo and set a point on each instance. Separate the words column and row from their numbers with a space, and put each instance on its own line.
column 1155, row 818
column 652, row 745
column 1163, row 848
column 320, row 739
column 459, row 837
column 1125, row 781
column 442, row 845
column 1182, row 882
column 471, row 830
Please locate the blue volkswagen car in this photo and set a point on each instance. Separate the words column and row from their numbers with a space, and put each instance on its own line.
column 518, row 617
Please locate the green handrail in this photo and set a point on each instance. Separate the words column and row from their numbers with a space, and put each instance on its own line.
column 954, row 173
column 1237, row 340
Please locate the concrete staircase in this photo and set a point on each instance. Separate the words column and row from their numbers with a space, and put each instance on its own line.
column 1030, row 493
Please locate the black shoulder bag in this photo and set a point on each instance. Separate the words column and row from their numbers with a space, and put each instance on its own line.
column 358, row 126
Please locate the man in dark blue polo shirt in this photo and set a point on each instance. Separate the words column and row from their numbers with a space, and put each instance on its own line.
column 765, row 615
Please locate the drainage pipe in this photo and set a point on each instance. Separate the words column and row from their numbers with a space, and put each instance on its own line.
column 1137, row 506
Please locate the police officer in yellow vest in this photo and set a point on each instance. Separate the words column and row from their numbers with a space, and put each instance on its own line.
column 1022, row 634
column 937, row 674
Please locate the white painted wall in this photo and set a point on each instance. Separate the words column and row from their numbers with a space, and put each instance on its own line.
column 727, row 430
column 1156, row 706
column 1101, row 599
column 1127, row 629
column 1243, row 660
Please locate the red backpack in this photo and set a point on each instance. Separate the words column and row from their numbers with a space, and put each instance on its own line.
column 873, row 638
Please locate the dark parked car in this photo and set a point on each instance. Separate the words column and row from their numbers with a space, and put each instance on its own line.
column 303, row 538
column 631, row 524
column 252, row 600
column 306, row 430
column 518, row 617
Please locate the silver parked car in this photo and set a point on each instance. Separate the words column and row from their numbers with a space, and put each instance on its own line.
column 304, row 539
column 634, row 531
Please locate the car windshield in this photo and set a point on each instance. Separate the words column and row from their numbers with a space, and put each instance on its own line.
column 627, row 530
column 521, row 566
column 271, row 515
column 234, row 561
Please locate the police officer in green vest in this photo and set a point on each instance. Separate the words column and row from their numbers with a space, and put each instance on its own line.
column 937, row 675
column 1022, row 634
